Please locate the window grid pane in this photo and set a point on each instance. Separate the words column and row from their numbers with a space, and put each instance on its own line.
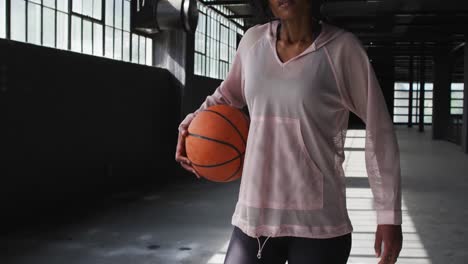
column 77, row 6
column 126, row 46
column 109, row 13
column 149, row 52
column 118, row 44
column 126, row 16
column 62, row 5
column 142, row 55
column 87, row 8
column 400, row 119
column 401, row 111
column 109, row 47
column 97, row 39
column 2, row 19
column 62, row 30
column 34, row 23
column 135, row 49
column 456, row 103
column 197, row 65
column 118, row 14
column 87, row 37
column 48, row 3
column 457, row 86
column 456, row 99
column 76, row 34
column 48, row 27
column 97, row 9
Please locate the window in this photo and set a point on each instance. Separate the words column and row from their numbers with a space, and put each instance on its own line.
column 86, row 36
column 89, row 8
column 34, row 23
column 18, row 20
column 427, row 103
column 200, row 45
column 121, row 43
column 76, row 34
column 39, row 22
column 223, row 49
column 2, row 18
column 62, row 24
column 98, row 27
column 215, row 42
column 48, row 27
column 402, row 103
column 456, row 99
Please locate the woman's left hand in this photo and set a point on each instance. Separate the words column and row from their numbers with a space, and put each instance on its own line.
column 392, row 237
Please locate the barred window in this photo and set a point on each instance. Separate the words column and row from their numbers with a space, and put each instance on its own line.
column 402, row 103
column 215, row 42
column 95, row 27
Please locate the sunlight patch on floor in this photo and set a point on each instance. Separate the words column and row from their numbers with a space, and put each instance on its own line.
column 219, row 257
column 363, row 216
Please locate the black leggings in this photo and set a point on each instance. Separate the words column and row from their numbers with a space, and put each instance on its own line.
column 243, row 249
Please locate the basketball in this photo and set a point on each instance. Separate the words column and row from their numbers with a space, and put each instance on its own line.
column 216, row 141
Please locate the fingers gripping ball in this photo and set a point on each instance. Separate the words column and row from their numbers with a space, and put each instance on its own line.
column 216, row 142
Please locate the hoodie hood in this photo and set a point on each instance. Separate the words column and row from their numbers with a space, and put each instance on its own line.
column 327, row 34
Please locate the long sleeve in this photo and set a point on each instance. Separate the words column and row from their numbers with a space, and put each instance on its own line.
column 362, row 94
column 231, row 89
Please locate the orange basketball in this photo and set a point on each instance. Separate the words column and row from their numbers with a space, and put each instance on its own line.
column 216, row 142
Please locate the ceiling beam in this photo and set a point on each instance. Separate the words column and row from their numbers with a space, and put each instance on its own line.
column 458, row 48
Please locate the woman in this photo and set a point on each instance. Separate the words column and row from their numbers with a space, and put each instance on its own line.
column 299, row 79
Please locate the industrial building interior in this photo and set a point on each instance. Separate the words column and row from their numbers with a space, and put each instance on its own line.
column 90, row 103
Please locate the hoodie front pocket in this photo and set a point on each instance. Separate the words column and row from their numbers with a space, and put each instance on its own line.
column 278, row 171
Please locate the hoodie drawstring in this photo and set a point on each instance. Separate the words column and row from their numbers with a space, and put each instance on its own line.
column 259, row 254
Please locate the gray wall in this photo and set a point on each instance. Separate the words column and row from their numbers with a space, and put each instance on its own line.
column 77, row 127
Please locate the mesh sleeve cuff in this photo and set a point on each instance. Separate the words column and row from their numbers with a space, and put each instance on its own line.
column 389, row 217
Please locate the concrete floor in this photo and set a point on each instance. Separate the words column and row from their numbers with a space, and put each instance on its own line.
column 189, row 222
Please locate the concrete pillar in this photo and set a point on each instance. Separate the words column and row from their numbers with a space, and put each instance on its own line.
column 170, row 49
column 187, row 100
column 465, row 100
column 422, row 79
column 411, row 82
column 441, row 94
column 171, row 52
column 385, row 72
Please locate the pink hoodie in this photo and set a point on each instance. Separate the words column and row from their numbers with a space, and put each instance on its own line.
column 293, row 183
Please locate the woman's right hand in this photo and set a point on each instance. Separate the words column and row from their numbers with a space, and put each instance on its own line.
column 181, row 154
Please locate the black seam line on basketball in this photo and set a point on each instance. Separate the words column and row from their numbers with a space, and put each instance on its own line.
column 215, row 140
column 229, row 121
column 221, row 142
column 218, row 164
column 225, row 143
column 234, row 174
column 238, row 168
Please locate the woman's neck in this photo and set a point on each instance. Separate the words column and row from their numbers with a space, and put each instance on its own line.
column 297, row 31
